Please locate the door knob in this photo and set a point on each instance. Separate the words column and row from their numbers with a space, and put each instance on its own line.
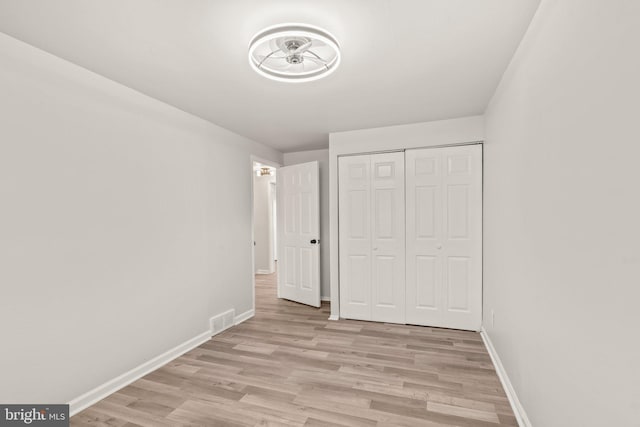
column 314, row 241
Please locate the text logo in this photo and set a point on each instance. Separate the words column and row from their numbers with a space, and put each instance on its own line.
column 34, row 415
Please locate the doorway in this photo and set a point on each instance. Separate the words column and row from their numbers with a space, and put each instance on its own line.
column 286, row 226
column 263, row 228
column 264, row 219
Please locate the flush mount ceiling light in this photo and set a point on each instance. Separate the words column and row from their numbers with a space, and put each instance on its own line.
column 294, row 53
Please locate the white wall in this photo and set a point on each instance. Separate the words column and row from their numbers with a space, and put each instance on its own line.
column 119, row 234
column 322, row 157
column 562, row 210
column 415, row 135
column 428, row 134
column 263, row 225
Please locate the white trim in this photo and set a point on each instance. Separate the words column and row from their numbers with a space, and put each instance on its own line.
column 325, row 298
column 261, row 271
column 93, row 396
column 334, row 317
column 518, row 409
column 244, row 316
column 221, row 322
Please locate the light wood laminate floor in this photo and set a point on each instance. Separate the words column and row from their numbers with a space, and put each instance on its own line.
column 289, row 365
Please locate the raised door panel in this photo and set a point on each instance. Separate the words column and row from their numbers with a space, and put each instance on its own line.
column 306, row 268
column 425, row 211
column 426, row 283
column 383, row 214
column 458, row 215
column 288, row 275
column 291, row 200
column 458, row 284
column 354, row 190
column 357, row 289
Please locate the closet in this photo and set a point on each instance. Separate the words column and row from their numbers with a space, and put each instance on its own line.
column 410, row 237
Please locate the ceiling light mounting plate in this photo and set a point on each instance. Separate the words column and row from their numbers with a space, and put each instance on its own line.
column 294, row 53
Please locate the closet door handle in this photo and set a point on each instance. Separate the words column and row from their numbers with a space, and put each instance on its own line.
column 315, row 241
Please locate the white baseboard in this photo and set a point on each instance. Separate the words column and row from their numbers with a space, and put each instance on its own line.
column 518, row 409
column 217, row 324
column 334, row 317
column 244, row 316
column 92, row 396
column 325, row 298
column 261, row 271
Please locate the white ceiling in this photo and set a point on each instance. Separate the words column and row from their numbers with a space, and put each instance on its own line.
column 403, row 61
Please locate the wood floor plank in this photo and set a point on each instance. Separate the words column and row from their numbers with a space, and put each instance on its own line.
column 290, row 366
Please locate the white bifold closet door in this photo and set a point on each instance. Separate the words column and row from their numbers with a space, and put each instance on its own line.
column 372, row 237
column 444, row 237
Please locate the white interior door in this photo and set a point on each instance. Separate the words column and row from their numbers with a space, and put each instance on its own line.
column 387, row 237
column 354, row 200
column 372, row 234
column 299, row 233
column 444, row 237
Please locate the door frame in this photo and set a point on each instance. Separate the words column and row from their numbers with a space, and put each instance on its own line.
column 334, row 223
column 252, row 160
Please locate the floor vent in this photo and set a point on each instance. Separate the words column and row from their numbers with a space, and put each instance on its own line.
column 222, row 321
